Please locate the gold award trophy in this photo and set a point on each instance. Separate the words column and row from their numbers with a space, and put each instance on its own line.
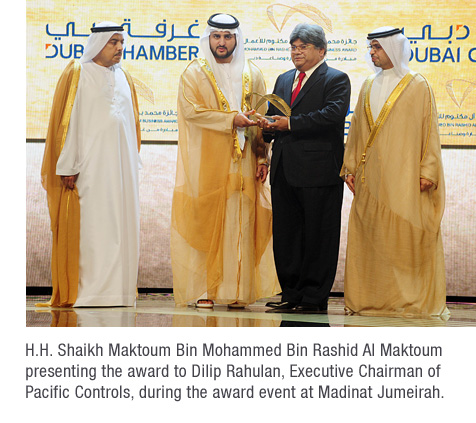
column 276, row 101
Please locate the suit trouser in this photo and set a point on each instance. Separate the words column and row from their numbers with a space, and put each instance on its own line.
column 306, row 236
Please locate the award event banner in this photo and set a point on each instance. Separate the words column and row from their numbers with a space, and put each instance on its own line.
column 163, row 37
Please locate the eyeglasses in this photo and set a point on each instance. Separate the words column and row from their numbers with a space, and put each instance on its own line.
column 302, row 47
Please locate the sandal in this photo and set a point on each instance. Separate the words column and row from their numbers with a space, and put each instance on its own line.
column 203, row 303
column 236, row 305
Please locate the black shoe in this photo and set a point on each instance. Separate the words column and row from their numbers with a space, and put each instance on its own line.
column 274, row 303
column 282, row 307
column 309, row 309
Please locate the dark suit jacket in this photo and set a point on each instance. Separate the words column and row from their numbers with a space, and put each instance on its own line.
column 313, row 151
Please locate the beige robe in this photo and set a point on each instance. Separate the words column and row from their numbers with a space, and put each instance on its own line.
column 221, row 243
column 395, row 261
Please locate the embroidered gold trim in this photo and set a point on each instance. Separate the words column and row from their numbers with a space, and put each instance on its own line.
column 246, row 94
column 208, row 71
column 429, row 124
column 247, row 88
column 221, row 100
column 368, row 112
column 383, row 115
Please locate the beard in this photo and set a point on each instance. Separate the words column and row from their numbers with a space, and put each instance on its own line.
column 224, row 55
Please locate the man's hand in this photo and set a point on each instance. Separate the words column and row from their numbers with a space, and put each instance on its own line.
column 425, row 184
column 350, row 181
column 241, row 120
column 68, row 181
column 280, row 123
column 261, row 172
column 263, row 123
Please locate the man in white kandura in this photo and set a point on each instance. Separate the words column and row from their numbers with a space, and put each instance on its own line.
column 392, row 163
column 221, row 244
column 90, row 171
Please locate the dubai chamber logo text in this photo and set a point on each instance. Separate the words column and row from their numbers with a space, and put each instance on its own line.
column 164, row 32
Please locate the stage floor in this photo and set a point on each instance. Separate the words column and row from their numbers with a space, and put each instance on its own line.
column 158, row 310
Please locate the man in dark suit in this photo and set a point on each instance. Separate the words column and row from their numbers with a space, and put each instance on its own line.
column 306, row 188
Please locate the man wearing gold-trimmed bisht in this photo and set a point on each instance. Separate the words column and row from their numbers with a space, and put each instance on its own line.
column 392, row 164
column 221, row 245
column 90, row 172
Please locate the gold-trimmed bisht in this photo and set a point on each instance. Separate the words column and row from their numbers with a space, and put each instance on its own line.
column 383, row 115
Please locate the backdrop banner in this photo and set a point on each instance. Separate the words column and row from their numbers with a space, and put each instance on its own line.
column 162, row 37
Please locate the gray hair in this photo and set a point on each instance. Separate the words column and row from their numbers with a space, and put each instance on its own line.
column 309, row 34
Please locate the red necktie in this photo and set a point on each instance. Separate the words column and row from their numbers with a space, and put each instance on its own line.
column 298, row 87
